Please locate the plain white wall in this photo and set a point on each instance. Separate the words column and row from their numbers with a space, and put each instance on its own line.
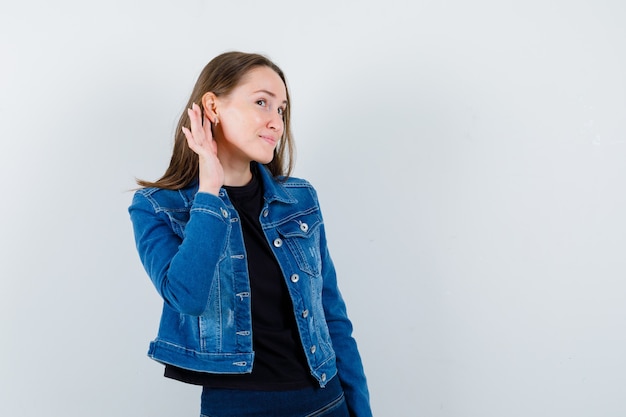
column 470, row 158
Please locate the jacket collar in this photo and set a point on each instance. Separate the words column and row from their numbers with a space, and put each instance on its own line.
column 274, row 189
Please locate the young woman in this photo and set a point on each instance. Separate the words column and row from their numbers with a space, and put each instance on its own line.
column 237, row 250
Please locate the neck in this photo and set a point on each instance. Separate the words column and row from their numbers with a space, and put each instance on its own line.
column 237, row 176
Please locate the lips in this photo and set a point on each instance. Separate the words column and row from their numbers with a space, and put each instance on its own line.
column 268, row 139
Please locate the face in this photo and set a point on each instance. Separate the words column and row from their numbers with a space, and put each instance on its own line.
column 251, row 119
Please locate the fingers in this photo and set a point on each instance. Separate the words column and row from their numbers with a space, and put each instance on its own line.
column 198, row 135
column 190, row 140
column 195, row 122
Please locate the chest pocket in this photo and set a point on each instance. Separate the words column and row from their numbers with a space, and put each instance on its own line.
column 302, row 237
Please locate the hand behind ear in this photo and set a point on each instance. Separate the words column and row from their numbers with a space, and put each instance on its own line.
column 200, row 140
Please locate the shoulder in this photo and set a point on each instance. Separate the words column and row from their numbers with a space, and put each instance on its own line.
column 299, row 188
column 295, row 182
column 161, row 199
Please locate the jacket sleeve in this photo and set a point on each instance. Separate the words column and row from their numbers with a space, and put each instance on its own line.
column 349, row 364
column 181, row 269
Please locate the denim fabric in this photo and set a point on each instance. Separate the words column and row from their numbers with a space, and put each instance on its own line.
column 309, row 402
column 191, row 246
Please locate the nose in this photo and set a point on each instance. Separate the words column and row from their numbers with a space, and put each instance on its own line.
column 275, row 122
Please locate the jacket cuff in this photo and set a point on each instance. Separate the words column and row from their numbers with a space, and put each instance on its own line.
column 210, row 204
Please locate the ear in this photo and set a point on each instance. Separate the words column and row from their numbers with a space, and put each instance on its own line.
column 209, row 106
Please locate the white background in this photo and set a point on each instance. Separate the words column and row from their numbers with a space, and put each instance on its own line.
column 469, row 156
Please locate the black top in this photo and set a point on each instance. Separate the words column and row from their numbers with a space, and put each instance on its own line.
column 279, row 363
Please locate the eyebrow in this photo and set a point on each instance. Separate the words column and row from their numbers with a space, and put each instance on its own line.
column 269, row 93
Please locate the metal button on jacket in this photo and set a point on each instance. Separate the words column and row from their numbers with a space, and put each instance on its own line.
column 295, row 278
column 278, row 242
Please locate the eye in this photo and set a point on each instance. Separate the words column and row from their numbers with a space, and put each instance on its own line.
column 261, row 102
column 281, row 111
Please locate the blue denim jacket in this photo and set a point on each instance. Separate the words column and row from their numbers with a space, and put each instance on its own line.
column 191, row 246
